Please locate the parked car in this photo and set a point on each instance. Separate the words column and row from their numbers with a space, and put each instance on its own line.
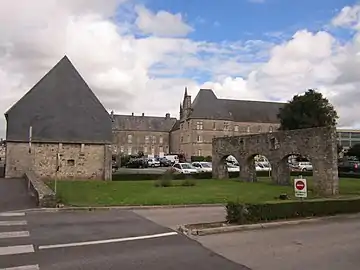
column 152, row 162
column 164, row 162
column 137, row 163
column 346, row 165
column 305, row 166
column 185, row 168
column 262, row 166
column 232, row 168
column 172, row 158
column 203, row 166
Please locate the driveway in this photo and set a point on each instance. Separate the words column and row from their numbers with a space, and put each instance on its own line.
column 116, row 239
column 14, row 195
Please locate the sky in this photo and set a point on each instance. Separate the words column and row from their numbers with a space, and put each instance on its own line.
column 139, row 55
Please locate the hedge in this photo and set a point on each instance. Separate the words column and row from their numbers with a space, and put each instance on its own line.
column 205, row 175
column 238, row 213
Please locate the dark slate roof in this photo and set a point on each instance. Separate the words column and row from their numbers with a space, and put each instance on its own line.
column 60, row 108
column 207, row 106
column 176, row 126
column 143, row 123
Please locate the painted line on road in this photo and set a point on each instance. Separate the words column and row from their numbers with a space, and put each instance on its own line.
column 25, row 267
column 13, row 223
column 107, row 241
column 14, row 234
column 12, row 214
column 16, row 249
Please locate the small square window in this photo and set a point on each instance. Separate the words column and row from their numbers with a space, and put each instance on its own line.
column 71, row 162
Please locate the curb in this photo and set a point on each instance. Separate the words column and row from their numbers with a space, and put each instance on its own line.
column 103, row 208
column 238, row 228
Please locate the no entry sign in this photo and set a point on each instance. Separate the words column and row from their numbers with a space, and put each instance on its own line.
column 300, row 188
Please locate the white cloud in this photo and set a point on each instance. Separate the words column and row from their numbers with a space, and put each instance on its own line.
column 131, row 74
column 162, row 23
column 348, row 17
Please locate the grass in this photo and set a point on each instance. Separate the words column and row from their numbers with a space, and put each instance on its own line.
column 100, row 193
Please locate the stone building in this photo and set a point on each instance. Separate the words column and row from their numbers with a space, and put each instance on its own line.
column 59, row 129
column 200, row 121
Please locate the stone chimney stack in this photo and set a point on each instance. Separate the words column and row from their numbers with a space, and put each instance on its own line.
column 167, row 116
column 143, row 114
column 132, row 114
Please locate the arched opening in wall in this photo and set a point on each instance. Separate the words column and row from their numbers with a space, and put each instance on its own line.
column 299, row 163
column 258, row 165
column 230, row 165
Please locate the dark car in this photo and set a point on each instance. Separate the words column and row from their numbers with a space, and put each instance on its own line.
column 164, row 162
column 349, row 165
column 137, row 163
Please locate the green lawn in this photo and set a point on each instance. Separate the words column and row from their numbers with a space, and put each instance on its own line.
column 100, row 193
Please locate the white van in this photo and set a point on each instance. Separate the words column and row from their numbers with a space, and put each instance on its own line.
column 173, row 158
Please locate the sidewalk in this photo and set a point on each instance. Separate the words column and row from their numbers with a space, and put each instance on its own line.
column 172, row 217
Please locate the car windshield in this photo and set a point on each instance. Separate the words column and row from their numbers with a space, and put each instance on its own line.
column 206, row 165
column 187, row 166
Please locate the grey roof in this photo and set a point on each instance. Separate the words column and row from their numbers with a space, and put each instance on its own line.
column 176, row 126
column 60, row 108
column 207, row 106
column 143, row 123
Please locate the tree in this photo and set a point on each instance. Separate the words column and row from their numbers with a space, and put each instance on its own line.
column 354, row 151
column 307, row 111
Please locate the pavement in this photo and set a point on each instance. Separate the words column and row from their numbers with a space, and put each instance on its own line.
column 14, row 195
column 113, row 239
column 328, row 245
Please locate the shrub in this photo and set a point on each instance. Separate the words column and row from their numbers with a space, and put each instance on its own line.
column 165, row 180
column 197, row 158
column 241, row 213
column 188, row 182
column 208, row 158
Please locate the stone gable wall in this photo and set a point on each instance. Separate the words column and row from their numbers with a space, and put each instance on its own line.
column 89, row 161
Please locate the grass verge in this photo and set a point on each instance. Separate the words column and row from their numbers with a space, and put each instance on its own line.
column 100, row 193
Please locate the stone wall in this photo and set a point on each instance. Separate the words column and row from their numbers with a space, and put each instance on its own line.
column 317, row 144
column 77, row 161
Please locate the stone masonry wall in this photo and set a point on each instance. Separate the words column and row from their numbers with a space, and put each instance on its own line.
column 317, row 144
column 77, row 161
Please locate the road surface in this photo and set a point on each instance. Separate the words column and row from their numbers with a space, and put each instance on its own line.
column 116, row 239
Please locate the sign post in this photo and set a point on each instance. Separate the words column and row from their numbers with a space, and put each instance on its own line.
column 300, row 188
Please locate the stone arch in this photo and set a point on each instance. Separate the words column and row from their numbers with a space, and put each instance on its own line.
column 221, row 167
column 318, row 144
column 248, row 168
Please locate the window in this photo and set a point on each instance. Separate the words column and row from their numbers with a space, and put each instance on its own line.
column 82, row 148
column 248, row 129
column 129, row 138
column 153, row 151
column 71, row 162
column 182, row 139
column 214, row 126
column 177, row 166
column 153, row 139
column 199, row 125
column 271, row 129
column 188, row 124
column 199, row 138
column 236, row 128
column 146, row 139
column 161, row 150
column 161, row 140
column 129, row 150
column 199, row 152
column 259, row 129
column 145, row 149
column 226, row 125
column 121, row 149
column 181, row 126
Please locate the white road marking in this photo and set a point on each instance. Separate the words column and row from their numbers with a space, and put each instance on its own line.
column 16, row 249
column 13, row 223
column 12, row 215
column 14, row 234
column 25, row 267
column 115, row 240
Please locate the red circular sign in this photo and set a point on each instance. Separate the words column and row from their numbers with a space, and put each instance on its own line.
column 300, row 185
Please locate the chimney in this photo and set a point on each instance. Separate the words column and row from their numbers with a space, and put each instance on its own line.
column 167, row 116
column 143, row 114
column 112, row 116
column 132, row 114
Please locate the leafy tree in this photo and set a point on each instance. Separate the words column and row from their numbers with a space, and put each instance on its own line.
column 307, row 111
column 354, row 151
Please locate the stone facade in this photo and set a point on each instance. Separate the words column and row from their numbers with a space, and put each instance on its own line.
column 319, row 145
column 149, row 142
column 77, row 161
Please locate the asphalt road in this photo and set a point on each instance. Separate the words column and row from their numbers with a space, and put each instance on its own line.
column 330, row 245
column 14, row 195
column 116, row 239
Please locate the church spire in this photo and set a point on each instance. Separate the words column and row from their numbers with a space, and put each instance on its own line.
column 186, row 93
